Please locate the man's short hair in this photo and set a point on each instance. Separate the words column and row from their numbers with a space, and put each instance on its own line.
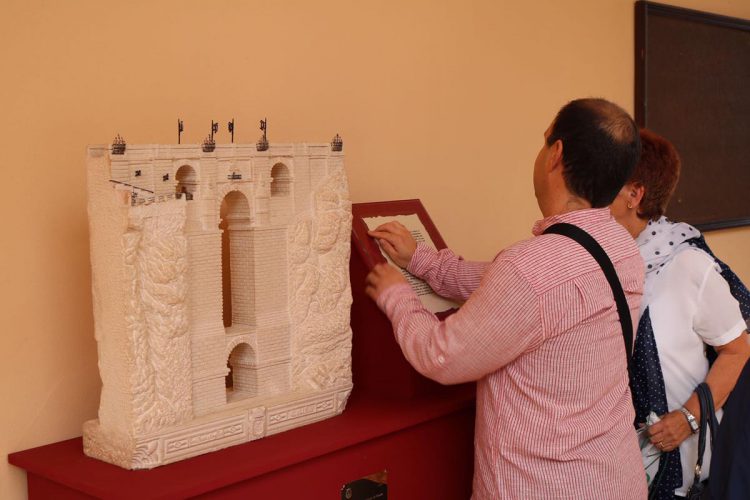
column 600, row 148
column 658, row 171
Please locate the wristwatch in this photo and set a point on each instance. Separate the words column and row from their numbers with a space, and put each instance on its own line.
column 691, row 419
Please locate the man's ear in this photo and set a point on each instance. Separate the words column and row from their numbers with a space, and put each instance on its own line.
column 554, row 159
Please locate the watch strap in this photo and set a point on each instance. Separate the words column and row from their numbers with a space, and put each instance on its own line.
column 691, row 420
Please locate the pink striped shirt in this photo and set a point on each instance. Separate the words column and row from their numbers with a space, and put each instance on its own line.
column 540, row 334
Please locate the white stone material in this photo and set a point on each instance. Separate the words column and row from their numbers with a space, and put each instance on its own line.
column 177, row 382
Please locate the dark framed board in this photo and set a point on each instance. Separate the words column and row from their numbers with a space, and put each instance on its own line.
column 692, row 85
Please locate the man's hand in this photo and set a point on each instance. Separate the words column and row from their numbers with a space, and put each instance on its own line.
column 670, row 431
column 397, row 242
column 381, row 277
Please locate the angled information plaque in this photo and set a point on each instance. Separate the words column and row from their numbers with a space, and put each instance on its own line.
column 412, row 214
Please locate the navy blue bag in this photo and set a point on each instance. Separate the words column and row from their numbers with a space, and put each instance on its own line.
column 730, row 462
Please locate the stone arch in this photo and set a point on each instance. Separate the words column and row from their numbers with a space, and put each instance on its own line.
column 236, row 207
column 241, row 380
column 187, row 181
column 281, row 180
column 223, row 190
column 236, row 259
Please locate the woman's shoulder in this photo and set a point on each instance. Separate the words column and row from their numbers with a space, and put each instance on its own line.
column 691, row 259
column 689, row 268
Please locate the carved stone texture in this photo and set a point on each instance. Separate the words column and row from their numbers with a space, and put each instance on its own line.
column 221, row 303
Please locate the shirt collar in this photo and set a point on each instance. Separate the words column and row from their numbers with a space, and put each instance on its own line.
column 576, row 217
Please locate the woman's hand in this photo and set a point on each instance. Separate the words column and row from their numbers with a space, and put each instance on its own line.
column 670, row 431
column 397, row 242
column 381, row 277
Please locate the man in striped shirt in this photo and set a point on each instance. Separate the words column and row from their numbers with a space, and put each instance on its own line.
column 539, row 330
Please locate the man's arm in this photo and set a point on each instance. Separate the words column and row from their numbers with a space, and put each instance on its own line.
column 499, row 322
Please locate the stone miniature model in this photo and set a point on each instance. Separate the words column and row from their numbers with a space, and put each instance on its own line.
column 221, row 295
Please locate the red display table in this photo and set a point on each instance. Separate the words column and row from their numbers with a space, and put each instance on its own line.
column 419, row 432
column 425, row 445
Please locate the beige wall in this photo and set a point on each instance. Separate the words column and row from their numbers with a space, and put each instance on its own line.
column 441, row 100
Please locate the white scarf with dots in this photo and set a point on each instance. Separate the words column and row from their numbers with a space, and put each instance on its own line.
column 659, row 243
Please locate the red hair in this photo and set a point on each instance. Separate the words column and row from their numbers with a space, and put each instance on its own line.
column 658, row 171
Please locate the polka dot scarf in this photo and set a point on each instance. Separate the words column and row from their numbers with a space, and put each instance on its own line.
column 660, row 241
column 649, row 394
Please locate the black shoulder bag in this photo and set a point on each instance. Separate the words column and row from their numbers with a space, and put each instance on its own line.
column 597, row 252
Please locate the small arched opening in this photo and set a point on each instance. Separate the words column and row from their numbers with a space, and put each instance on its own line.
column 187, row 182
column 280, row 180
column 241, row 381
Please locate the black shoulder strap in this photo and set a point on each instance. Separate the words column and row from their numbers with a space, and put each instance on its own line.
column 596, row 251
column 708, row 422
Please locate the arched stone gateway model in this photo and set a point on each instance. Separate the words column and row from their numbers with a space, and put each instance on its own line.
column 222, row 299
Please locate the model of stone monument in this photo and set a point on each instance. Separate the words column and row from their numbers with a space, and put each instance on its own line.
column 221, row 295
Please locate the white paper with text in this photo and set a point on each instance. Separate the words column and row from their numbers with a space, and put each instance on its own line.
column 430, row 300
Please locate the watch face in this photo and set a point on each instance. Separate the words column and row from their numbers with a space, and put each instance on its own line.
column 691, row 419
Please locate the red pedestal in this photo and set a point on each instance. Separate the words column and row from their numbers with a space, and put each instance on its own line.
column 425, row 445
column 418, row 431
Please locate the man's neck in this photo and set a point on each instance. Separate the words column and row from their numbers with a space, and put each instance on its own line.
column 564, row 205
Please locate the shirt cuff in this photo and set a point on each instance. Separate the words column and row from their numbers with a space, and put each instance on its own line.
column 391, row 296
column 729, row 336
column 421, row 260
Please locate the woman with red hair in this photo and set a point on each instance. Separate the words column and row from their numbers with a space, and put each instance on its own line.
column 688, row 302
